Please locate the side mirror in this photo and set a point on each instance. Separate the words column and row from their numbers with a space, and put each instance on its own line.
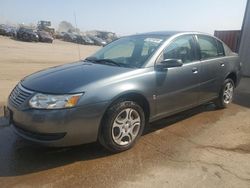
column 169, row 63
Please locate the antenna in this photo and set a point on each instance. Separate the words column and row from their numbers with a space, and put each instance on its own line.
column 79, row 55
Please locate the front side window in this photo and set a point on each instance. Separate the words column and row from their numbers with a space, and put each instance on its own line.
column 208, row 47
column 182, row 48
column 131, row 51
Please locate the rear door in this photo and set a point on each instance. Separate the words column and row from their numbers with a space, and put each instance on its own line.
column 212, row 67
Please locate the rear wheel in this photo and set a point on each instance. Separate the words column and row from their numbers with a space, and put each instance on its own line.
column 122, row 126
column 226, row 94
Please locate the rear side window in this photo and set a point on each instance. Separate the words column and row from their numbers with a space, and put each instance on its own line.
column 220, row 49
column 228, row 51
column 208, row 47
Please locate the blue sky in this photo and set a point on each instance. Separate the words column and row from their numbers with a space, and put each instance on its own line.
column 129, row 16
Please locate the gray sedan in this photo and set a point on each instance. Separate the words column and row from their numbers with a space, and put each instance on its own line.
column 112, row 95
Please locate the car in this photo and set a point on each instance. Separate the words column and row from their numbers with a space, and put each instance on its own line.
column 97, row 41
column 6, row 30
column 115, row 93
column 108, row 37
column 79, row 39
column 70, row 37
column 44, row 36
column 27, row 34
column 87, row 41
column 59, row 35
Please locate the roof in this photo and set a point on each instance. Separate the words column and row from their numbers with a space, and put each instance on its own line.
column 162, row 33
column 158, row 33
column 168, row 33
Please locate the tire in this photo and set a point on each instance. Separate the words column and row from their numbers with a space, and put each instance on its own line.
column 225, row 96
column 122, row 125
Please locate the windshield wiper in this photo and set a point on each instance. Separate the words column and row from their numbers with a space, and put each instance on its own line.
column 109, row 61
column 103, row 61
column 89, row 59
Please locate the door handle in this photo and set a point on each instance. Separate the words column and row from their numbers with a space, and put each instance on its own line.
column 222, row 64
column 195, row 70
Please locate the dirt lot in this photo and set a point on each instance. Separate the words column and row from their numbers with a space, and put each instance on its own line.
column 18, row 59
column 202, row 147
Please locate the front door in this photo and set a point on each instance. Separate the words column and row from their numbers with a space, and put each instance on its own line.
column 178, row 87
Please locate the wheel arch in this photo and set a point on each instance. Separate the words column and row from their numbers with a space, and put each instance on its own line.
column 135, row 96
column 233, row 76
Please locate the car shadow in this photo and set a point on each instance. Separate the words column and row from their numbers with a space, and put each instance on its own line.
column 28, row 157
column 162, row 123
column 23, row 157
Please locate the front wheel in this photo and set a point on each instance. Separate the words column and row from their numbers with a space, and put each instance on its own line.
column 226, row 94
column 122, row 125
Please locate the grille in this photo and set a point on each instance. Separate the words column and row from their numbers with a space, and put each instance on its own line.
column 19, row 95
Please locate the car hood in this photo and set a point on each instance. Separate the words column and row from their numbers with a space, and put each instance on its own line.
column 70, row 78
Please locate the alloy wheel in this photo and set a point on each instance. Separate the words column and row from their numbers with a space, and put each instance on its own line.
column 228, row 93
column 126, row 126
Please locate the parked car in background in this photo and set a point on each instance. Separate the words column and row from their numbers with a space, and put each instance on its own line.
column 69, row 37
column 86, row 40
column 97, row 41
column 28, row 35
column 59, row 35
column 113, row 94
column 78, row 39
column 6, row 30
column 104, row 35
column 45, row 36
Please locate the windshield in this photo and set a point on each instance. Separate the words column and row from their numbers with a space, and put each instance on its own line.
column 131, row 51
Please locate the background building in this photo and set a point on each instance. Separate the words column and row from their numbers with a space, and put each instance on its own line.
column 231, row 38
column 244, row 51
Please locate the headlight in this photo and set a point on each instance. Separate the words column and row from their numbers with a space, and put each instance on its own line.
column 43, row 101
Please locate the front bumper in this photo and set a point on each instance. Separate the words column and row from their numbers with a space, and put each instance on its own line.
column 64, row 127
